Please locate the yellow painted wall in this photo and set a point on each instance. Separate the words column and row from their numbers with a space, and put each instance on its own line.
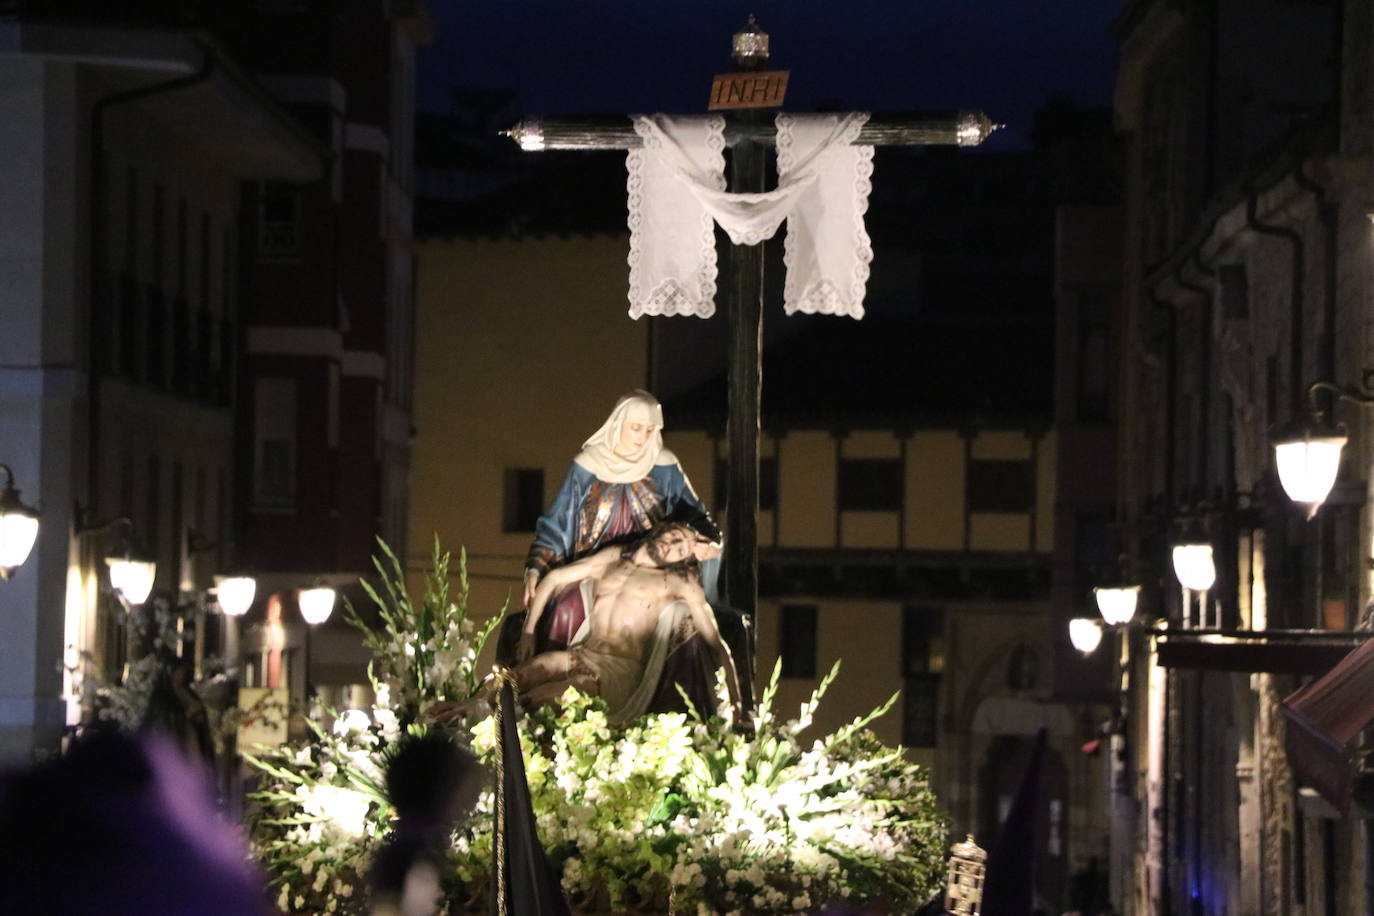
column 694, row 451
column 999, row 531
column 935, row 491
column 1001, row 445
column 806, row 489
column 866, row 638
column 1045, row 493
column 871, row 443
column 522, row 347
column 877, row 530
column 488, row 311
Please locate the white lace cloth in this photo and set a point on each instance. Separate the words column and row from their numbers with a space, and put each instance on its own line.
column 676, row 188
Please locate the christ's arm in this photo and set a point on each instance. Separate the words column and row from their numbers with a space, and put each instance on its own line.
column 705, row 622
column 592, row 566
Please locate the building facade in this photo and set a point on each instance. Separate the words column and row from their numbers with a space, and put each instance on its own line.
column 138, row 310
column 1246, row 266
column 911, row 470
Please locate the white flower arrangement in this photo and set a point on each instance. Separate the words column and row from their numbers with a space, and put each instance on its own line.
column 674, row 813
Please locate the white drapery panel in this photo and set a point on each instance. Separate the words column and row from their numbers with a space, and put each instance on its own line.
column 676, row 190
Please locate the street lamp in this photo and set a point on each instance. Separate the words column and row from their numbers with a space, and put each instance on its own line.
column 1085, row 634
column 18, row 527
column 1307, row 452
column 1194, row 566
column 235, row 594
column 1117, row 603
column 132, row 576
column 317, row 603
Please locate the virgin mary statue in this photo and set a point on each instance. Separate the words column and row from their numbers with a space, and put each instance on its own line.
column 622, row 483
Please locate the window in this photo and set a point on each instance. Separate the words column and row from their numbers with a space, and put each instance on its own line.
column 128, row 359
column 159, row 239
column 131, row 203
column 1234, row 286
column 923, row 640
column 870, row 484
column 768, row 484
column 279, row 214
column 181, row 362
column 178, row 518
column 1093, row 404
column 923, row 662
column 205, row 265
column 921, row 710
column 797, row 640
column 155, row 340
column 182, row 247
column 152, row 508
column 1023, row 669
column 524, row 500
column 274, row 443
column 1000, row 486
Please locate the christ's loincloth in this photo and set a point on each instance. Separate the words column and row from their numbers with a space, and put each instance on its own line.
column 627, row 685
column 615, row 675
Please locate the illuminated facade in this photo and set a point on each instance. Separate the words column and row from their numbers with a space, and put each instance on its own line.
column 909, row 500
column 1246, row 270
column 152, row 287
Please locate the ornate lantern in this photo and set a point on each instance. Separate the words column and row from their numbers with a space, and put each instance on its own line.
column 964, row 888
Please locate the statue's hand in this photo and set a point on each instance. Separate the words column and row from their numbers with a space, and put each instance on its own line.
column 524, row 649
column 531, row 584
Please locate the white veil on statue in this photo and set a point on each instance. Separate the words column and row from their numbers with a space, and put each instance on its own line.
column 598, row 453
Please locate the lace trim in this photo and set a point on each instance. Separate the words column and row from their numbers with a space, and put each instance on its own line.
column 694, row 294
column 831, row 296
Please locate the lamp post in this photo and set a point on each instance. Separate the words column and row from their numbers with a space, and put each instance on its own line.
column 1194, row 565
column 235, row 594
column 1085, row 634
column 316, row 604
column 1117, row 603
column 132, row 576
column 1307, row 451
column 132, row 573
column 18, row 527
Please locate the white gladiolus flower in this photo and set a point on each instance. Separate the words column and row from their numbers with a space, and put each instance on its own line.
column 344, row 808
column 350, row 721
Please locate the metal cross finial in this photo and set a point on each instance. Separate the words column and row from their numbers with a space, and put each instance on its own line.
column 750, row 43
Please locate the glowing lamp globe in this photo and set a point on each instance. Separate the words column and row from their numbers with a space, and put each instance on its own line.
column 132, row 577
column 1308, row 458
column 1085, row 634
column 1194, row 566
column 18, row 530
column 1117, row 603
column 317, row 604
column 235, row 594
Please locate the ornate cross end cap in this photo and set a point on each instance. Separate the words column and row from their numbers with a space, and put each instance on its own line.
column 529, row 134
column 973, row 128
column 969, row 851
column 750, row 43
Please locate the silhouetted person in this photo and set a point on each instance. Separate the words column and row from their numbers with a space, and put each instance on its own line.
column 120, row 826
column 177, row 711
column 432, row 783
column 1009, row 887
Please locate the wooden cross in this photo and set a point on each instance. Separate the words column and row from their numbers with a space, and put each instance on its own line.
column 747, row 132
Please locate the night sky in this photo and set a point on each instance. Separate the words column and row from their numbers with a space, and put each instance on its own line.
column 608, row 56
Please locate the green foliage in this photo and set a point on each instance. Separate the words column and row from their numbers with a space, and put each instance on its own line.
column 672, row 812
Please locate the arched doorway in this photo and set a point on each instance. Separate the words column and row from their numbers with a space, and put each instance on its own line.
column 999, row 778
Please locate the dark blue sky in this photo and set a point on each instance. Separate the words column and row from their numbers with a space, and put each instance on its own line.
column 606, row 56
